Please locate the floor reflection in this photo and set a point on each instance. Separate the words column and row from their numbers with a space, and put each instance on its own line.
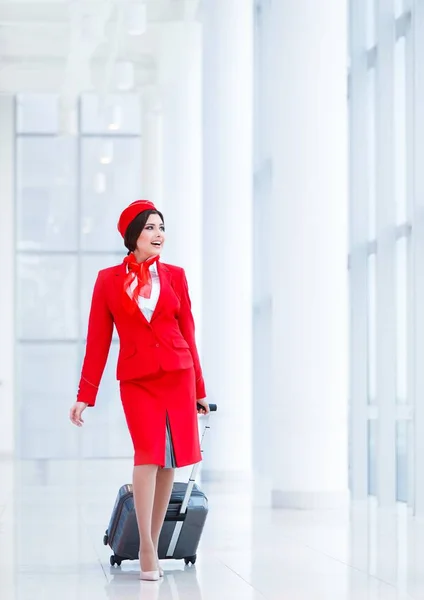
column 53, row 515
column 177, row 584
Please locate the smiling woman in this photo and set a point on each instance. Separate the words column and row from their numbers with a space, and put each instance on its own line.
column 158, row 367
column 145, row 234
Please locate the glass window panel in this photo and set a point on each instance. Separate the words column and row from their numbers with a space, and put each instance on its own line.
column 118, row 114
column 400, row 148
column 46, row 194
column 399, row 7
column 372, row 325
column 402, row 320
column 110, row 437
column 90, row 266
column 371, row 26
column 351, row 431
column 371, row 156
column 372, row 453
column 402, row 430
column 47, row 298
column 47, row 386
column 37, row 113
column 118, row 161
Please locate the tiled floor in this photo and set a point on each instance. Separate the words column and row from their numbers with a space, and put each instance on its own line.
column 53, row 515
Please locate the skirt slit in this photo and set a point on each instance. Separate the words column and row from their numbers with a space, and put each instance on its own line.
column 170, row 462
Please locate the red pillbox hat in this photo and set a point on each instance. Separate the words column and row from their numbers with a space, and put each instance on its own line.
column 130, row 213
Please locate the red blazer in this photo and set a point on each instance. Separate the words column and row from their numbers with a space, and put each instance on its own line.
column 167, row 342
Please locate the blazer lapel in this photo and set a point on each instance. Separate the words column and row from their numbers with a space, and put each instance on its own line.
column 165, row 287
column 120, row 275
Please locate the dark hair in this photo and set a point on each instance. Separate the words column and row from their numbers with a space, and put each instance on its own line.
column 136, row 227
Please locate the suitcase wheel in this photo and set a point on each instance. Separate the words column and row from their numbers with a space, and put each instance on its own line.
column 106, row 539
column 115, row 560
column 190, row 559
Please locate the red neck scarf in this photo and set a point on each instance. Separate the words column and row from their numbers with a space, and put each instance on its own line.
column 137, row 272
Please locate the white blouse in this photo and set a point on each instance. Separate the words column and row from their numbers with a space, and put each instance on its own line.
column 148, row 305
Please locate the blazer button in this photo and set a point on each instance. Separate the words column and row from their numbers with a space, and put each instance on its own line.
column 157, row 345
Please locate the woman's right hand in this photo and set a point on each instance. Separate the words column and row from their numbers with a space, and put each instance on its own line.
column 75, row 413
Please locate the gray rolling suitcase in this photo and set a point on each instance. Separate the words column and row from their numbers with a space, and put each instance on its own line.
column 181, row 531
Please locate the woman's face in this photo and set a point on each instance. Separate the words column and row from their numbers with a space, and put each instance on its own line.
column 151, row 240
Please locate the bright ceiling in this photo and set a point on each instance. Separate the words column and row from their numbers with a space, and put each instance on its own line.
column 74, row 46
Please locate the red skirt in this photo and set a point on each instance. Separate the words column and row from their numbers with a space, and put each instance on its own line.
column 151, row 402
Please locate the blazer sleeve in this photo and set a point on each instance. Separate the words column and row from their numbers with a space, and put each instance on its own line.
column 99, row 337
column 187, row 328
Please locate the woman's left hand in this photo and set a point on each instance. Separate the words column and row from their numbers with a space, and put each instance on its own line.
column 203, row 407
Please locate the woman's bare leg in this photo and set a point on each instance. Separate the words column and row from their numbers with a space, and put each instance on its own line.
column 164, row 482
column 144, row 487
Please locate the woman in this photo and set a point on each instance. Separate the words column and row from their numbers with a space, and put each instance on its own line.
column 158, row 367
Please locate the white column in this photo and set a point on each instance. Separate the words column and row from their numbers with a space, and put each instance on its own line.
column 308, row 232
column 386, row 335
column 360, row 177
column 152, row 148
column 227, row 231
column 7, row 304
column 418, row 263
column 180, row 84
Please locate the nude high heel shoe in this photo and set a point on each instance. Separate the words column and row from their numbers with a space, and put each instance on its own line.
column 161, row 573
column 149, row 575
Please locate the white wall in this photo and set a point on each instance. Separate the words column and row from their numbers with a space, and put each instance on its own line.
column 7, row 400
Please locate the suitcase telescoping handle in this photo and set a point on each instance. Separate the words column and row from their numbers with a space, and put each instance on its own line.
column 192, row 480
column 212, row 407
column 179, row 524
